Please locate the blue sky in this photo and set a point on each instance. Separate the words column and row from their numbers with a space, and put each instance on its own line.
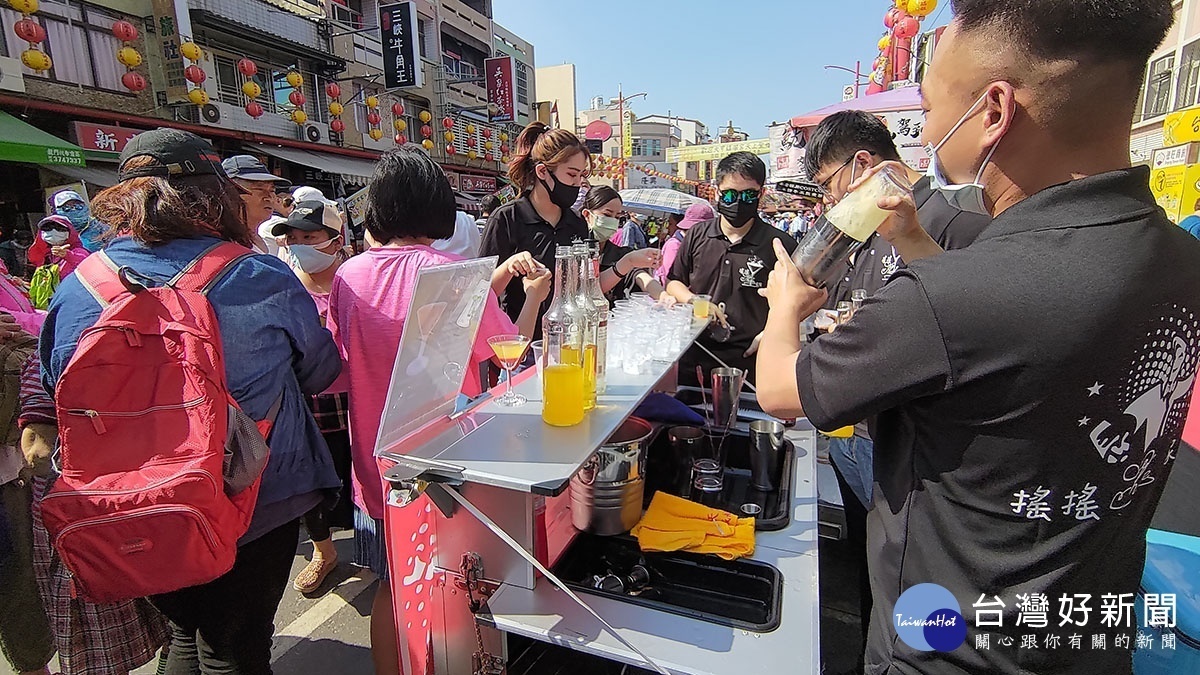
column 753, row 61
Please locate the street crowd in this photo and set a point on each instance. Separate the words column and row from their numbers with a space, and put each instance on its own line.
column 196, row 360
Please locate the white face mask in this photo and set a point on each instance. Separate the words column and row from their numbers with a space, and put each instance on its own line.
column 55, row 237
column 311, row 259
column 968, row 197
column 603, row 226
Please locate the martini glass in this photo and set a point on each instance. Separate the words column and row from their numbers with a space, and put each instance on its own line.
column 509, row 349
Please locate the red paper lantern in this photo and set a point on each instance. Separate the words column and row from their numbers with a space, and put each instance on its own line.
column 134, row 81
column 194, row 74
column 504, row 148
column 471, row 142
column 488, row 158
column 426, row 131
column 401, row 139
column 247, row 67
column 448, row 123
column 892, row 16
column 337, row 126
column 333, row 90
column 907, row 27
column 124, row 31
column 487, row 133
column 450, row 150
column 297, row 98
column 373, row 118
column 254, row 109
column 398, row 109
column 30, row 31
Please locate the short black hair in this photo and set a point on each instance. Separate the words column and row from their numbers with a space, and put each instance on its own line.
column 1105, row 31
column 599, row 196
column 489, row 203
column 409, row 196
column 745, row 164
column 839, row 136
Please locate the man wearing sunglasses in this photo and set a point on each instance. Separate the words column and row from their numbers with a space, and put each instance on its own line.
column 729, row 258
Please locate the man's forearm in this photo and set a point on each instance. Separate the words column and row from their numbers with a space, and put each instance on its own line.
column 916, row 246
column 778, row 392
column 680, row 291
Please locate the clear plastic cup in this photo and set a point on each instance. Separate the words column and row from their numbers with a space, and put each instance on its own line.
column 701, row 307
column 537, row 360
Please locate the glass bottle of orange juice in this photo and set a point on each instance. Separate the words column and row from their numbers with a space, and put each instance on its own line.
column 563, row 397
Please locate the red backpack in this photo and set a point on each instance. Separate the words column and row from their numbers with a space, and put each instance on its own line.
column 160, row 467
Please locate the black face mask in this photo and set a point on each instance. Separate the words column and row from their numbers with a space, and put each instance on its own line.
column 562, row 195
column 738, row 213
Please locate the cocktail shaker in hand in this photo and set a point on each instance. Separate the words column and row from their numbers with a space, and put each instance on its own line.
column 845, row 227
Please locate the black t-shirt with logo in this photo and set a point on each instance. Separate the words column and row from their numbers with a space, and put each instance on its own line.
column 709, row 264
column 1030, row 392
column 517, row 227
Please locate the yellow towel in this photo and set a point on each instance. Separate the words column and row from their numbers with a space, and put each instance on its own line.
column 676, row 524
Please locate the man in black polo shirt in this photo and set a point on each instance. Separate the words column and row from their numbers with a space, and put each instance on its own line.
column 1031, row 388
column 729, row 258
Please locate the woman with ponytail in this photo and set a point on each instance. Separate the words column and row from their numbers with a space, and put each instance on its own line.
column 548, row 166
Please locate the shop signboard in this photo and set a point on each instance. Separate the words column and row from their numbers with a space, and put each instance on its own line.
column 500, row 76
column 478, row 183
column 787, row 151
column 356, row 207
column 1167, row 184
column 398, row 31
column 1182, row 127
column 906, row 127
column 1178, row 155
column 627, row 135
column 717, row 151
column 103, row 138
column 454, row 180
column 172, row 24
column 799, row 189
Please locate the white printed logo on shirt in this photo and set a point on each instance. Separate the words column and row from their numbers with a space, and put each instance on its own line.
column 749, row 273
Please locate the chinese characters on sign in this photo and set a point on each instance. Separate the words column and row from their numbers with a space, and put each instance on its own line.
column 477, row 183
column 501, row 92
column 103, row 137
column 1116, row 611
column 172, row 21
column 398, row 30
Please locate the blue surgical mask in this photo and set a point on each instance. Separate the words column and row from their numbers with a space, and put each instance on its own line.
column 967, row 197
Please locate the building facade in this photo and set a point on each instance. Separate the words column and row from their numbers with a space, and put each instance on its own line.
column 1172, row 82
column 335, row 47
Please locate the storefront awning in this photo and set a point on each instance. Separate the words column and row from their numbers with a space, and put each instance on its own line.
column 97, row 175
column 356, row 171
column 22, row 142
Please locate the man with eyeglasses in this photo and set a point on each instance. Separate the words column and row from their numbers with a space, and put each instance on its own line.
column 841, row 148
column 728, row 258
column 258, row 187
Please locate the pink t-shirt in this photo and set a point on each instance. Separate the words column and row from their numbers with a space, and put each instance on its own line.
column 368, row 303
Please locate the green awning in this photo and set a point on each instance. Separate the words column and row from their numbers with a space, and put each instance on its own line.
column 22, row 142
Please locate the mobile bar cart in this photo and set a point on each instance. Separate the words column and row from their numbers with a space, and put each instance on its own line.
column 514, row 470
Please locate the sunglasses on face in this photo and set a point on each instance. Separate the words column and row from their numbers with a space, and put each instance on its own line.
column 72, row 208
column 744, row 196
column 52, row 228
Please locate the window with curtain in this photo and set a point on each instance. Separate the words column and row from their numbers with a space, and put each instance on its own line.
column 79, row 41
column 1158, row 87
column 1189, row 76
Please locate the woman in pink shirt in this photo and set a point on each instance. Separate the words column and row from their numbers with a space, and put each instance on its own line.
column 411, row 205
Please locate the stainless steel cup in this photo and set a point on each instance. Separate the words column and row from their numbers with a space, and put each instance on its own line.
column 726, row 395
column 766, row 447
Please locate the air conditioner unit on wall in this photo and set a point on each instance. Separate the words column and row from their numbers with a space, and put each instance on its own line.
column 12, row 78
column 313, row 132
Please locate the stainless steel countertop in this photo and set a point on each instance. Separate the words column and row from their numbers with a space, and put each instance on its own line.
column 686, row 645
column 513, row 448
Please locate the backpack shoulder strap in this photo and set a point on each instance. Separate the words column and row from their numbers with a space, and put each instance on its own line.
column 209, row 267
column 99, row 276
